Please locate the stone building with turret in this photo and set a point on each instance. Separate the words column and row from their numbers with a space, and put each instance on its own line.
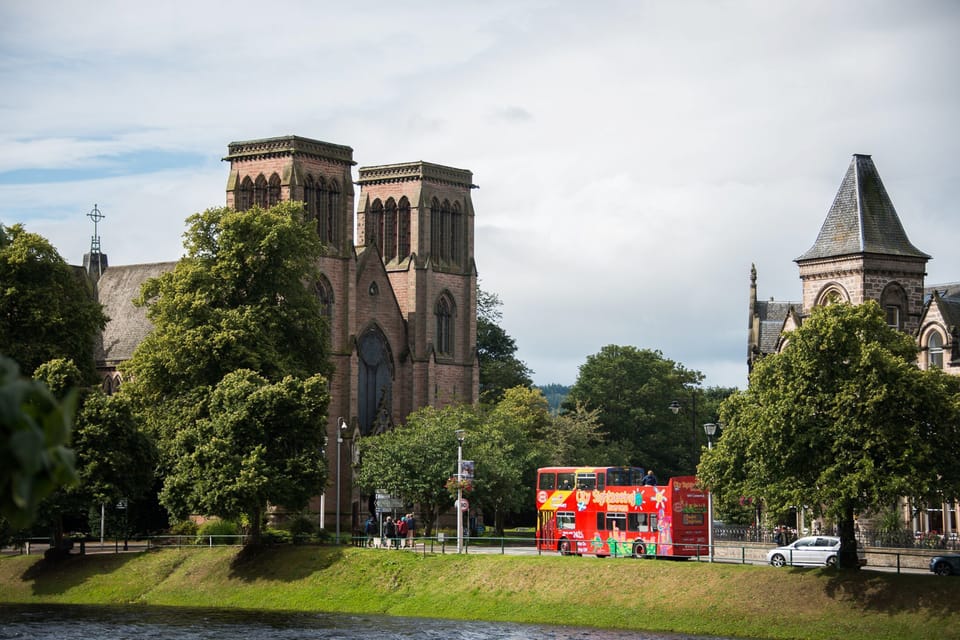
column 399, row 292
column 863, row 253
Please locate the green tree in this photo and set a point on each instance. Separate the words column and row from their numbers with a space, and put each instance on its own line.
column 47, row 308
column 843, row 420
column 500, row 369
column 260, row 443
column 242, row 298
column 503, row 446
column 632, row 389
column 34, row 455
column 414, row 461
column 114, row 459
column 571, row 437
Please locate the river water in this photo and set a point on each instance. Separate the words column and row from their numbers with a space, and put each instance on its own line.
column 44, row 622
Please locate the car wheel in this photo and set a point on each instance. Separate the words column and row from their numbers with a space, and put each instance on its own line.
column 942, row 569
column 778, row 560
column 564, row 547
column 832, row 561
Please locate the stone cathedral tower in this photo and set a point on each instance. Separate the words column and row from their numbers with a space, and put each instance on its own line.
column 401, row 301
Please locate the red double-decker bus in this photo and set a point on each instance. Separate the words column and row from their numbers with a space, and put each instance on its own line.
column 607, row 511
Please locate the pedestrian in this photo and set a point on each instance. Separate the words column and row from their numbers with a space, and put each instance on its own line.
column 649, row 480
column 370, row 530
column 778, row 537
column 390, row 531
column 411, row 525
column 401, row 532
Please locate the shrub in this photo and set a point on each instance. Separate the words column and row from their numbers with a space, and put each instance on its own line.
column 184, row 528
column 223, row 532
column 275, row 536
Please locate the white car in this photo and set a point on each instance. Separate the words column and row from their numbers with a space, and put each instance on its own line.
column 817, row 551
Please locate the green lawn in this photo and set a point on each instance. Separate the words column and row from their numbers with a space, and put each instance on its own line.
column 684, row 597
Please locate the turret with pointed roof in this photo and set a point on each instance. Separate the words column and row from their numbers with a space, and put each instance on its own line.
column 863, row 253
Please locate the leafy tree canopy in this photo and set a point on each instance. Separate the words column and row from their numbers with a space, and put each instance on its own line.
column 631, row 389
column 241, row 298
column 259, row 443
column 34, row 435
column 47, row 308
column 414, row 461
column 842, row 419
column 500, row 369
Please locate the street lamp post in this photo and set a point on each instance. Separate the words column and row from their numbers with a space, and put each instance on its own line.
column 710, row 429
column 675, row 407
column 341, row 427
column 460, row 434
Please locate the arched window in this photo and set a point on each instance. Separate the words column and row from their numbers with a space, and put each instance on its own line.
column 435, row 238
column 832, row 294
column 333, row 207
column 273, row 191
column 390, row 230
column 260, row 191
column 893, row 300
column 935, row 350
column 403, row 229
column 446, row 225
column 325, row 296
column 244, row 199
column 456, row 233
column 444, row 312
column 375, row 401
column 310, row 197
column 374, row 225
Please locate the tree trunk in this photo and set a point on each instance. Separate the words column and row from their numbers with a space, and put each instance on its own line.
column 847, row 556
column 255, row 515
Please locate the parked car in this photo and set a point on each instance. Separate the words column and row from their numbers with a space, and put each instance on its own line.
column 946, row 565
column 810, row 551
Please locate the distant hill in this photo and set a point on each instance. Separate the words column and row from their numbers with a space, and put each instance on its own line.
column 555, row 395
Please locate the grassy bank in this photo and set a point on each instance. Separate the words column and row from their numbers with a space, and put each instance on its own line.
column 697, row 598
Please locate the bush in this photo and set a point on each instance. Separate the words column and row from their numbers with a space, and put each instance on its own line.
column 301, row 527
column 223, row 532
column 275, row 536
column 184, row 528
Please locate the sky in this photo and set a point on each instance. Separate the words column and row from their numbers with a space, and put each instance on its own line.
column 633, row 158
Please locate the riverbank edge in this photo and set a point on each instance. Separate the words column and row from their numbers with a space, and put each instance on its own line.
column 641, row 595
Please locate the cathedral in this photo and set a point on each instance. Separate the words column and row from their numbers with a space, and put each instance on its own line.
column 399, row 292
column 862, row 253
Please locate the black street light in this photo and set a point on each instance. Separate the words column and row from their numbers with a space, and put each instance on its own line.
column 710, row 429
column 675, row 406
column 341, row 427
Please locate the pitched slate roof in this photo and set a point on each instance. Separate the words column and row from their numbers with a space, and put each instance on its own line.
column 128, row 325
column 772, row 316
column 862, row 219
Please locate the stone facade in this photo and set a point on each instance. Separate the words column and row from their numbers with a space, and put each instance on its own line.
column 401, row 301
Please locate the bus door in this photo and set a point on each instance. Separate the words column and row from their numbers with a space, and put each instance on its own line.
column 547, row 529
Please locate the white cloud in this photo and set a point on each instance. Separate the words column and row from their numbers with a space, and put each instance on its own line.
column 633, row 158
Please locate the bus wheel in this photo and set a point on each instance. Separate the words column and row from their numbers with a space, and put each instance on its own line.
column 564, row 547
column 639, row 550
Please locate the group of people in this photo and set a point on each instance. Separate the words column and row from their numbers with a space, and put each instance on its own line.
column 394, row 534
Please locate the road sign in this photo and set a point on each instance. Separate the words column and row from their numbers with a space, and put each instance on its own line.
column 464, row 504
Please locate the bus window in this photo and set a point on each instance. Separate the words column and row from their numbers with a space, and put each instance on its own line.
column 642, row 522
column 636, row 477
column 600, row 478
column 566, row 520
column 601, row 521
column 587, row 481
column 616, row 521
column 618, row 477
column 548, row 481
column 565, row 481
